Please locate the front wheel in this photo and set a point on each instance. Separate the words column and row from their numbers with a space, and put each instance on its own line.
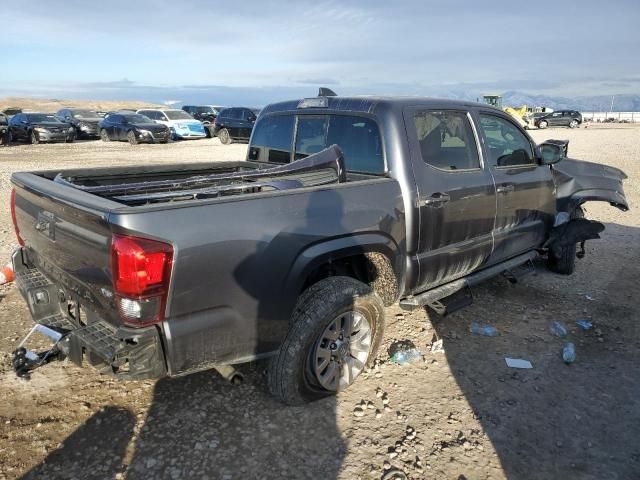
column 131, row 136
column 104, row 135
column 336, row 329
column 563, row 261
column 34, row 138
column 224, row 137
column 543, row 124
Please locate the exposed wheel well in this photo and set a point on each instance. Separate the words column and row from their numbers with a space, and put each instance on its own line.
column 373, row 268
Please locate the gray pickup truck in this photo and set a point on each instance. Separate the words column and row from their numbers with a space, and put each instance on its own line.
column 343, row 206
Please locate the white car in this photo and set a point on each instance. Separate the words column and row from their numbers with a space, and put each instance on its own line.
column 182, row 125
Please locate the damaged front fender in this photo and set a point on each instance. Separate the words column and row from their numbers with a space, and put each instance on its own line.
column 578, row 181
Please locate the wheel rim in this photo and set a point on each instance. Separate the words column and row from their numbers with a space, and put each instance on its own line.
column 342, row 351
column 104, row 136
column 543, row 124
column 225, row 136
column 132, row 138
column 573, row 124
column 34, row 138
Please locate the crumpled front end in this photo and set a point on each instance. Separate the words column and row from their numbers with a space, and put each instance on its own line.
column 578, row 182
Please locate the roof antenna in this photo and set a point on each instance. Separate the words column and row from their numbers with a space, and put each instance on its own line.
column 326, row 92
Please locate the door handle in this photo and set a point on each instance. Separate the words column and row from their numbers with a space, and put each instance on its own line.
column 436, row 200
column 506, row 188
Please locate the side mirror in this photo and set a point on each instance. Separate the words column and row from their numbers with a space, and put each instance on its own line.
column 551, row 153
column 252, row 118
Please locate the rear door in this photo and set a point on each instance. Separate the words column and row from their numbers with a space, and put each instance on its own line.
column 456, row 194
column 525, row 190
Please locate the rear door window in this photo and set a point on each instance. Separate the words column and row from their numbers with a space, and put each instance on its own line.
column 272, row 139
column 446, row 140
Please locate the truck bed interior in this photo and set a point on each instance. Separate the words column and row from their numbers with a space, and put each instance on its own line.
column 157, row 184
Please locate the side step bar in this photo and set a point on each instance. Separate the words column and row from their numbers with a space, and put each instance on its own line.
column 443, row 291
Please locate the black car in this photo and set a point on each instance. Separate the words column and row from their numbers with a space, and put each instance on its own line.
column 560, row 118
column 4, row 129
column 234, row 124
column 85, row 122
column 40, row 127
column 133, row 127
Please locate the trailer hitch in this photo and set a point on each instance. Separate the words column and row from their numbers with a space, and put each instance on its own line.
column 25, row 361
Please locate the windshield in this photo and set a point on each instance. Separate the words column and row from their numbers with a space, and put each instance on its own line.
column 137, row 118
column 85, row 115
column 42, row 117
column 177, row 115
column 205, row 110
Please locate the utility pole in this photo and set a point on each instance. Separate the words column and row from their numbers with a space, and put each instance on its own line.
column 612, row 98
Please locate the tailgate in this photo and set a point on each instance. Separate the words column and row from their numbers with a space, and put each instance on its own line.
column 68, row 241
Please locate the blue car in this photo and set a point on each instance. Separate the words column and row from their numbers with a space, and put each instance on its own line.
column 183, row 126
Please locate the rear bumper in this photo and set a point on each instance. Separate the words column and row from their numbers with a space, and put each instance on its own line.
column 125, row 353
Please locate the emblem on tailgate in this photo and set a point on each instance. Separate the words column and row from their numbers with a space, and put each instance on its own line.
column 46, row 224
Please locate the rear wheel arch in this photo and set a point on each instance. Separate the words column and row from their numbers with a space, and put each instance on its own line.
column 373, row 263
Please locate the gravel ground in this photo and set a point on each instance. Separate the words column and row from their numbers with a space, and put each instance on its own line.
column 458, row 414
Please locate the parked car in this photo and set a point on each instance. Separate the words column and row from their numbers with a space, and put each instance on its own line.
column 182, row 125
column 233, row 124
column 206, row 114
column 4, row 129
column 85, row 122
column 345, row 205
column 133, row 127
column 11, row 111
column 560, row 118
column 40, row 127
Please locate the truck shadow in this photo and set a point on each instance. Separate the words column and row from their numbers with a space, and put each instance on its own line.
column 96, row 448
column 555, row 420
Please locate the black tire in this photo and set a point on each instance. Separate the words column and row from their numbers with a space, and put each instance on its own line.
column 131, row 137
column 291, row 378
column 224, row 137
column 104, row 135
column 573, row 124
column 71, row 139
column 33, row 138
column 543, row 124
column 564, row 261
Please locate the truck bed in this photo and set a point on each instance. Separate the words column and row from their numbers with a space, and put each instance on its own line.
column 145, row 185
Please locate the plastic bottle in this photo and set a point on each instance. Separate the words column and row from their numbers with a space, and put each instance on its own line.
column 569, row 353
column 558, row 329
column 406, row 356
column 484, row 330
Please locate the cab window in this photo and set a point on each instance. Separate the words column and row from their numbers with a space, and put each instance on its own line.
column 506, row 144
column 272, row 138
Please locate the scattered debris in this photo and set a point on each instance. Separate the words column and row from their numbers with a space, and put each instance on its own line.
column 558, row 329
column 6, row 274
column 437, row 347
column 569, row 353
column 484, row 330
column 589, row 297
column 358, row 412
column 518, row 363
column 403, row 352
column 585, row 324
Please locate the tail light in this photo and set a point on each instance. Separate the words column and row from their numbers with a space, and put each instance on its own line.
column 141, row 271
column 13, row 217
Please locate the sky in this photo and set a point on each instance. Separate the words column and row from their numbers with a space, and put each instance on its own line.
column 261, row 51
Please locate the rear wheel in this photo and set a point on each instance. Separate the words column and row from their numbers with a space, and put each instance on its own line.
column 224, row 137
column 131, row 137
column 573, row 124
column 543, row 124
column 34, row 138
column 563, row 261
column 71, row 138
column 336, row 329
column 104, row 135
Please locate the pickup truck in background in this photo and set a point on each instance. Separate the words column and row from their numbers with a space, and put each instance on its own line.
column 343, row 206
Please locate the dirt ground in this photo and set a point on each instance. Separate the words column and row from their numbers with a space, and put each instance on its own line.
column 458, row 414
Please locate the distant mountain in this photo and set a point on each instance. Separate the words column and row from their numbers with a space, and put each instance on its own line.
column 596, row 103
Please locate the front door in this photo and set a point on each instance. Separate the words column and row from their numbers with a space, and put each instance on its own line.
column 456, row 195
column 524, row 189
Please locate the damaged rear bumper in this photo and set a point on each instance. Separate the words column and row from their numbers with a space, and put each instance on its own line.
column 126, row 353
